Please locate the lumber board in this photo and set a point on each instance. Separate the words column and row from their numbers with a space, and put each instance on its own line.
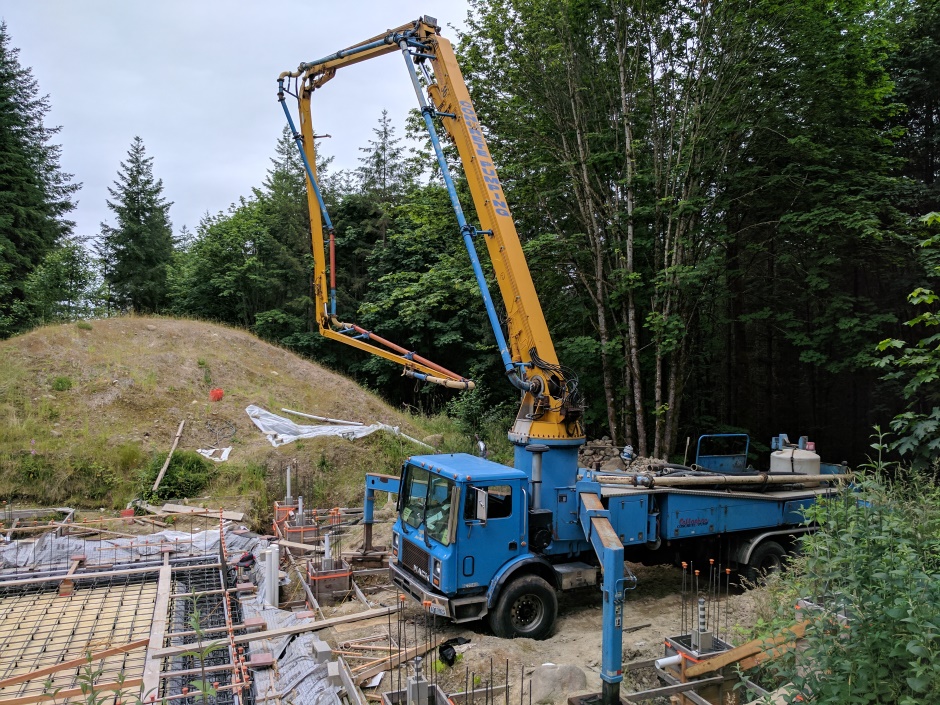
column 300, row 546
column 764, row 656
column 306, row 626
column 176, row 440
column 201, row 511
column 396, row 660
column 74, row 663
column 125, row 686
column 161, row 606
column 751, row 648
column 463, row 697
column 668, row 690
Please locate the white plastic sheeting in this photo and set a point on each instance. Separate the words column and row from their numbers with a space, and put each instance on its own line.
column 281, row 431
column 50, row 552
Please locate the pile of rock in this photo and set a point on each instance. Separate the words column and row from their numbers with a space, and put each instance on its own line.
column 601, row 451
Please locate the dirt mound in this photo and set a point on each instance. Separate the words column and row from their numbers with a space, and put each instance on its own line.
column 108, row 394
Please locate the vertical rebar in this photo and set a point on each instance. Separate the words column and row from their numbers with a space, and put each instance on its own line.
column 727, row 598
column 682, row 628
column 708, row 594
column 718, row 602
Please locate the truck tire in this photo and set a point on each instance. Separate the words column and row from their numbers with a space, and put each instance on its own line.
column 769, row 557
column 526, row 608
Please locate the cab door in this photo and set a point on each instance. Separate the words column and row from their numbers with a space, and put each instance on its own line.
column 490, row 531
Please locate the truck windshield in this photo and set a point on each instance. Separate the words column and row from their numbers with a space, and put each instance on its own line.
column 429, row 499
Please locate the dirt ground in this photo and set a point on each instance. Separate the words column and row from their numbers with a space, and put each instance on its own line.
column 652, row 613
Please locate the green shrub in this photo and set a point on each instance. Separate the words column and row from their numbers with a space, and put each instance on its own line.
column 129, row 456
column 83, row 325
column 90, row 480
column 875, row 561
column 62, row 384
column 188, row 475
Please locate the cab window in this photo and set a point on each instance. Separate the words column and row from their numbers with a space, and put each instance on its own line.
column 498, row 505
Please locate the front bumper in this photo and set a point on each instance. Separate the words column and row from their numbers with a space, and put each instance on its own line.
column 459, row 609
column 440, row 605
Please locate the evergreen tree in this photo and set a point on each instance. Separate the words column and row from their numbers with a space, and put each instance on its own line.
column 383, row 177
column 383, row 172
column 35, row 194
column 141, row 244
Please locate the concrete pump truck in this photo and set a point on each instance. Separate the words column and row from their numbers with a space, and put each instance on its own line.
column 475, row 539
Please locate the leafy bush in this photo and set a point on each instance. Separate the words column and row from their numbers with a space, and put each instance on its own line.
column 874, row 566
column 90, row 480
column 188, row 475
column 62, row 384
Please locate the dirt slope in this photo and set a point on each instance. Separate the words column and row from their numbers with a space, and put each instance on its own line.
column 102, row 397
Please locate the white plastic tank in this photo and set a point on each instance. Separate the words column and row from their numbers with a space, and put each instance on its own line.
column 804, row 462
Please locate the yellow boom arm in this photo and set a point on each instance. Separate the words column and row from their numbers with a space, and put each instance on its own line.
column 551, row 405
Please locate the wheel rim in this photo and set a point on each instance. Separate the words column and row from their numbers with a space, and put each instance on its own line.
column 769, row 564
column 526, row 613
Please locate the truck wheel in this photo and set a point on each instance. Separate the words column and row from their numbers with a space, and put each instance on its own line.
column 526, row 608
column 766, row 559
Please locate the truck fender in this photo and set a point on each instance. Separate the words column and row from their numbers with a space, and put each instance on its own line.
column 743, row 550
column 522, row 565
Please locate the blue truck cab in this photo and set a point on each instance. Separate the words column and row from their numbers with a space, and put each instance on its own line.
column 460, row 520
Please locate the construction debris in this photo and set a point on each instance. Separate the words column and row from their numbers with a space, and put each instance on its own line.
column 281, row 431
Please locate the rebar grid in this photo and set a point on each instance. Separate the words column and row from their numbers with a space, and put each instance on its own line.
column 38, row 628
column 205, row 592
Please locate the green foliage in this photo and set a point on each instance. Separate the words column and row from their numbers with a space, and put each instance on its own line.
column 35, row 195
column 62, row 384
column 136, row 253
column 187, row 475
column 874, row 567
column 917, row 366
column 63, row 286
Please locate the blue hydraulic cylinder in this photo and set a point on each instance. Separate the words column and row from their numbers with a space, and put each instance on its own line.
column 466, row 230
column 352, row 51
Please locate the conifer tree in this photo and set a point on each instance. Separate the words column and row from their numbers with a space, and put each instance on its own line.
column 35, row 194
column 141, row 243
column 383, row 178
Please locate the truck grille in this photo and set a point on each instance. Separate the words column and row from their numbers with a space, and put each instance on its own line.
column 414, row 559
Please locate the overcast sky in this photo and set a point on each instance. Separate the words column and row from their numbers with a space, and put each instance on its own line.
column 196, row 79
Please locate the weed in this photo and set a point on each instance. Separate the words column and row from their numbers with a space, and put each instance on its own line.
column 187, row 475
column 83, row 325
column 206, row 374
column 129, row 456
column 62, row 384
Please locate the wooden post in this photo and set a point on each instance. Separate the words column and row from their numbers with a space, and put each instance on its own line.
column 179, row 432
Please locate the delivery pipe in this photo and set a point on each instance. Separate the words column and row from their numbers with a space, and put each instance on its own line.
column 651, row 481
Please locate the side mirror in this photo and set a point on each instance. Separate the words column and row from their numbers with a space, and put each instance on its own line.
column 482, row 503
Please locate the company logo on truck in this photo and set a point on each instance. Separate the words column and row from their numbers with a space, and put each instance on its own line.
column 697, row 521
column 486, row 161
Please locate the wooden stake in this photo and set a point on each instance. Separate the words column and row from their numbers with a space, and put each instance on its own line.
column 179, row 432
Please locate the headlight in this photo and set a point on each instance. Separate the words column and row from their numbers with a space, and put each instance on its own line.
column 436, row 572
column 394, row 544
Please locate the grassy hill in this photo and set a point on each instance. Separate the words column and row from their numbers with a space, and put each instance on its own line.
column 86, row 408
